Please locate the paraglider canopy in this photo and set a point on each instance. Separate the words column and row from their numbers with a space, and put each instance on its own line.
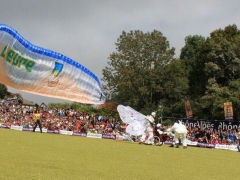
column 135, row 120
column 37, row 70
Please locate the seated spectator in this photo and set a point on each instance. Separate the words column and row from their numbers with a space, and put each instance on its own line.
column 219, row 140
column 192, row 136
column 224, row 134
column 101, row 128
column 214, row 141
column 205, row 140
column 232, row 136
column 83, row 129
column 25, row 124
column 200, row 140
column 123, row 126
column 90, row 126
column 97, row 127
column 224, row 141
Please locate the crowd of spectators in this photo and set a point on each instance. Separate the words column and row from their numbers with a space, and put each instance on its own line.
column 13, row 113
column 213, row 136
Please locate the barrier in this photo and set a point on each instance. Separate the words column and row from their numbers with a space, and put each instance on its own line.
column 114, row 137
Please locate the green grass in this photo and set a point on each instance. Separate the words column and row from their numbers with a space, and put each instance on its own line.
column 27, row 155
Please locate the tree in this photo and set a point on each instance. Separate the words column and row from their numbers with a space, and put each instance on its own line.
column 219, row 57
column 234, row 97
column 189, row 54
column 3, row 91
column 109, row 109
column 176, row 90
column 218, row 70
column 134, row 73
column 212, row 102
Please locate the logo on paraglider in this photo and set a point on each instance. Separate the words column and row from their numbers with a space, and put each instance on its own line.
column 55, row 72
column 57, row 69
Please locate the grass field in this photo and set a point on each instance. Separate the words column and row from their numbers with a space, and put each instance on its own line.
column 35, row 156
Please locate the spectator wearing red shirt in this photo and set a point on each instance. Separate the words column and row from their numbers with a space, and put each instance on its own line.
column 214, row 141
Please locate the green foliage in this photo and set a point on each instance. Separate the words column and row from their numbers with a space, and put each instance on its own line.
column 148, row 109
column 190, row 51
column 168, row 122
column 3, row 91
column 189, row 54
column 106, row 111
column 76, row 106
column 213, row 100
column 213, row 67
column 143, row 71
column 218, row 67
column 175, row 85
column 234, row 97
column 135, row 71
column 59, row 105
column 220, row 55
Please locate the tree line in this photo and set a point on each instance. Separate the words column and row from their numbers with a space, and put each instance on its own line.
column 143, row 73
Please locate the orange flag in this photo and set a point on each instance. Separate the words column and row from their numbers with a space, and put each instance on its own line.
column 188, row 109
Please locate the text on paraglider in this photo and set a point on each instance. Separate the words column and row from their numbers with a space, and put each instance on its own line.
column 16, row 59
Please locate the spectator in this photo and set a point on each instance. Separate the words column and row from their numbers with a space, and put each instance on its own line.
column 214, row 141
column 219, row 140
column 232, row 137
column 37, row 120
column 224, row 141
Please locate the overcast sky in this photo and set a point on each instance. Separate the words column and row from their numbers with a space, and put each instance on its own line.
column 87, row 30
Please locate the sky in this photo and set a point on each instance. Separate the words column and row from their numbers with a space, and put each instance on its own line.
column 87, row 30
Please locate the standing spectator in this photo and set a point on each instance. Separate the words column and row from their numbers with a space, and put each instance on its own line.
column 37, row 120
column 197, row 133
column 208, row 135
column 78, row 125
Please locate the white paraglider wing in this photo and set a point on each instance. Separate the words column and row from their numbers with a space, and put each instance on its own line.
column 135, row 129
column 135, row 120
column 129, row 115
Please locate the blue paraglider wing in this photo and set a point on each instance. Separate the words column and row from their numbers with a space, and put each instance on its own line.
column 37, row 70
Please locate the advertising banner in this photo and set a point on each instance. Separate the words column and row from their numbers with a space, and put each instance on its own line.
column 188, row 109
column 228, row 110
